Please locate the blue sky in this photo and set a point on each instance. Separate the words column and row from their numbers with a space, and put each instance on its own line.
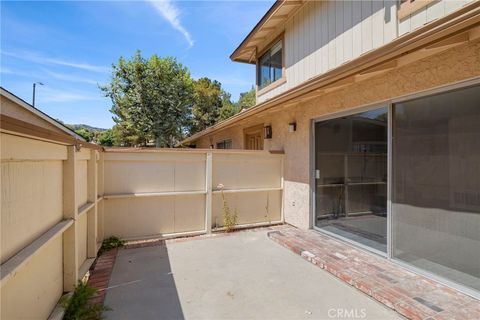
column 70, row 46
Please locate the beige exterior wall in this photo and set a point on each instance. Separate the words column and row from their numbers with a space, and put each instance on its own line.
column 453, row 65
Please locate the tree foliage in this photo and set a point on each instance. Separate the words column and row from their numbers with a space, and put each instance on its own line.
column 155, row 99
column 85, row 134
column 247, row 99
column 207, row 103
column 151, row 100
column 228, row 108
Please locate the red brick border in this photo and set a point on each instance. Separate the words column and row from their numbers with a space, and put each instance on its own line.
column 409, row 294
column 100, row 275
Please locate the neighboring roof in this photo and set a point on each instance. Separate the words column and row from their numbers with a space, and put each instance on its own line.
column 19, row 101
column 441, row 33
column 271, row 23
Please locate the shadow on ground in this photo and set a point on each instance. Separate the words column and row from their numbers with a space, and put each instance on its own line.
column 142, row 286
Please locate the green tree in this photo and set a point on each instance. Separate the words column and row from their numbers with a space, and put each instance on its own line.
column 247, row 99
column 228, row 108
column 207, row 104
column 107, row 138
column 85, row 134
column 151, row 100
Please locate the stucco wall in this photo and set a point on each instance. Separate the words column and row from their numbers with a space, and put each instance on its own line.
column 453, row 65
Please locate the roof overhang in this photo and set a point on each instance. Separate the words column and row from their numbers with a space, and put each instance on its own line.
column 22, row 103
column 456, row 28
column 272, row 23
column 18, row 126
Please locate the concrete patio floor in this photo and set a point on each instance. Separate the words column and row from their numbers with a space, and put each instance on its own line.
column 241, row 276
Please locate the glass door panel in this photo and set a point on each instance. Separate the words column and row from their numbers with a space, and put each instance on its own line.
column 436, row 184
column 351, row 177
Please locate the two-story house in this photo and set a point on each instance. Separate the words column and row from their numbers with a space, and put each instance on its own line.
column 376, row 105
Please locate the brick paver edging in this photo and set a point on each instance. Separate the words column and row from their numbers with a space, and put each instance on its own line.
column 100, row 275
column 409, row 294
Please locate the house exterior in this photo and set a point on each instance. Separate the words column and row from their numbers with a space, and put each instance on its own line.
column 376, row 105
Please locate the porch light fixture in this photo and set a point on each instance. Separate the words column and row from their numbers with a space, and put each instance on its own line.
column 268, row 132
column 292, row 127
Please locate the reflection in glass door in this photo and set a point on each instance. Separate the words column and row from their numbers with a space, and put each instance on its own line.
column 351, row 177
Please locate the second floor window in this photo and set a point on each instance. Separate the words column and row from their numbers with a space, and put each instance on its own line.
column 270, row 66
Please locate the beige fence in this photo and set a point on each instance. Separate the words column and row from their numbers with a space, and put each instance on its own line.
column 175, row 192
column 54, row 213
column 49, row 225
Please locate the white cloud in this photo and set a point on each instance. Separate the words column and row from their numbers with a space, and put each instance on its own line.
column 55, row 95
column 68, row 77
column 171, row 13
column 35, row 57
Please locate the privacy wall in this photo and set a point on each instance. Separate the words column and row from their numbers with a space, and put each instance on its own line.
column 48, row 222
column 173, row 192
column 54, row 213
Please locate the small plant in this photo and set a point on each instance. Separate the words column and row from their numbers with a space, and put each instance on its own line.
column 111, row 243
column 78, row 307
column 229, row 218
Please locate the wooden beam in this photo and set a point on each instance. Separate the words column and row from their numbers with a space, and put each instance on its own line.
column 70, row 211
column 208, row 196
column 92, row 192
column 14, row 125
column 450, row 42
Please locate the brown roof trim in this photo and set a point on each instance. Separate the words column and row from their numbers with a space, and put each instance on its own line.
column 260, row 23
column 437, row 30
column 22, row 103
column 13, row 125
column 189, row 150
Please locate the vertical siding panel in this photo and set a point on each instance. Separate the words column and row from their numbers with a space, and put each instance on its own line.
column 311, row 39
column 287, row 51
column 404, row 26
column 331, row 34
column 324, row 26
column 418, row 19
column 305, row 42
column 357, row 28
column 435, row 10
column 390, row 21
column 318, row 38
column 339, row 32
column 452, row 5
column 347, row 26
column 297, row 48
column 366, row 25
column 378, row 16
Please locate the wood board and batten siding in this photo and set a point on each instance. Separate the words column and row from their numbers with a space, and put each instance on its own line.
column 322, row 35
column 427, row 13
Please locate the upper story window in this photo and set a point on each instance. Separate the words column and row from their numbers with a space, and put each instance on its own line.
column 270, row 65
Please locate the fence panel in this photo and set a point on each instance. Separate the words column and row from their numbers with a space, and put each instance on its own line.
column 164, row 192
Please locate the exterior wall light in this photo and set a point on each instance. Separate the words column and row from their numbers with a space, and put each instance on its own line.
column 292, row 127
column 268, row 132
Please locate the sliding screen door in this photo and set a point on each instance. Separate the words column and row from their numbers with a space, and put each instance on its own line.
column 351, row 177
column 436, row 184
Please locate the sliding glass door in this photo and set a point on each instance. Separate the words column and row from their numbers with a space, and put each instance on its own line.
column 351, row 177
column 436, row 184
